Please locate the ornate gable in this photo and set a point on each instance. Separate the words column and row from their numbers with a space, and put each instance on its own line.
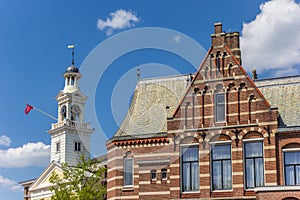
column 221, row 93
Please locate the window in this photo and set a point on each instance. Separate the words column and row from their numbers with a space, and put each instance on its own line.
column 153, row 175
column 189, row 169
column 164, row 174
column 220, row 107
column 72, row 80
column 254, row 164
column 57, row 147
column 77, row 146
column 218, row 65
column 63, row 112
column 186, row 114
column 221, row 167
column 292, row 168
column 128, row 171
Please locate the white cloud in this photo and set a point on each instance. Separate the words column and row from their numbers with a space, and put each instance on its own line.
column 272, row 40
column 117, row 20
column 30, row 154
column 10, row 184
column 5, row 141
column 177, row 38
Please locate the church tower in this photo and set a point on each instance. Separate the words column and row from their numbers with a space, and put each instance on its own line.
column 71, row 135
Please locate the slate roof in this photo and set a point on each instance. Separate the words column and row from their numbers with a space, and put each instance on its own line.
column 147, row 114
column 284, row 93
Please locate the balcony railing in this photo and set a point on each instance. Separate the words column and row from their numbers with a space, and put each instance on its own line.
column 70, row 123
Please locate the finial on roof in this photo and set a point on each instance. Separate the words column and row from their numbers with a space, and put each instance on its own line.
column 254, row 74
column 72, row 46
column 138, row 73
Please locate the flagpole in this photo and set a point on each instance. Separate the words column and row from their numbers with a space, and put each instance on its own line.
column 35, row 108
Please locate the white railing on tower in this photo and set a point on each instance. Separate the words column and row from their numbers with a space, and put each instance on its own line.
column 70, row 123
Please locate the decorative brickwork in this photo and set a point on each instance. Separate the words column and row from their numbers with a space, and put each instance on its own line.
column 221, row 106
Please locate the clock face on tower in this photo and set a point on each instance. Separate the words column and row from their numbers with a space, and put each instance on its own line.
column 75, row 109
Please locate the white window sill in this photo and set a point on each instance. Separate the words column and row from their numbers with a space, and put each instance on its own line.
column 190, row 192
column 229, row 190
column 128, row 188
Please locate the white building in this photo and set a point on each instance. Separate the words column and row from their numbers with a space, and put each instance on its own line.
column 70, row 136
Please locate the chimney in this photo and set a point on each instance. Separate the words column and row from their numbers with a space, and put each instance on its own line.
column 218, row 38
column 231, row 40
column 218, row 27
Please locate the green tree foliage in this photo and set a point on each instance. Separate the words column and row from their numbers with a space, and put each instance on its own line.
column 82, row 182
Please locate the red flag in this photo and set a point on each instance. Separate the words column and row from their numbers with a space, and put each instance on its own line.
column 28, row 109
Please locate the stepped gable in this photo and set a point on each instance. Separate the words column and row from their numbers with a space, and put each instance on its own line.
column 221, row 73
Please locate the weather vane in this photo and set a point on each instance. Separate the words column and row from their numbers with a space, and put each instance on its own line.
column 72, row 46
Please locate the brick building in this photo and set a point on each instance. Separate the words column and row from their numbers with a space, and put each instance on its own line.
column 216, row 134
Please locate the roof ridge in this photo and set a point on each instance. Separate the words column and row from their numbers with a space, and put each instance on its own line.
column 280, row 77
column 167, row 77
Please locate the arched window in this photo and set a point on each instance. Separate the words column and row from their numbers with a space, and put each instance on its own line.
column 153, row 175
column 72, row 80
column 164, row 174
column 63, row 112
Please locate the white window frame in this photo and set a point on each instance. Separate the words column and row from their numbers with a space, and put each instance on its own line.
column 215, row 105
column 166, row 172
column 153, row 171
column 244, row 161
column 283, row 159
column 124, row 176
column 225, row 142
column 180, row 154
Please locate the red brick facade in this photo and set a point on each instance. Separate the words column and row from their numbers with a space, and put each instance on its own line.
column 221, row 106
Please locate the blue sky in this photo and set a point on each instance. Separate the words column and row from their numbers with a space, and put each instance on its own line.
column 33, row 55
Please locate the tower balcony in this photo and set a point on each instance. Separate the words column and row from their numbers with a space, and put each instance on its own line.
column 72, row 124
